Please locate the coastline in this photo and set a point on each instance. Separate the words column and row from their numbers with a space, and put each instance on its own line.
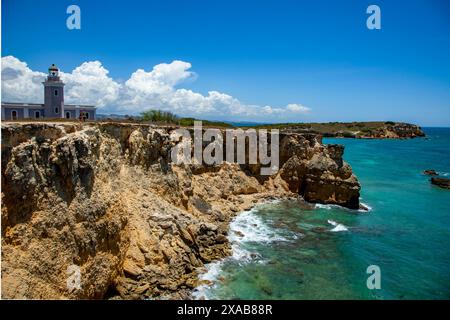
column 159, row 222
column 210, row 273
column 105, row 196
column 253, row 229
column 356, row 130
column 234, row 159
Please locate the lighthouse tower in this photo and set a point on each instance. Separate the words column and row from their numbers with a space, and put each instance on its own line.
column 53, row 94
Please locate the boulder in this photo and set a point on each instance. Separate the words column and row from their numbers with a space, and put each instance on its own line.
column 441, row 182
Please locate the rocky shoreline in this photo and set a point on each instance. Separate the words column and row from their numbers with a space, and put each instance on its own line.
column 107, row 199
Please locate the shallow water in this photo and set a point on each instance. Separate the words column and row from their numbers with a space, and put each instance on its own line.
column 292, row 250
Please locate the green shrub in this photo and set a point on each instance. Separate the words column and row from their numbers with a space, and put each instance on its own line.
column 159, row 116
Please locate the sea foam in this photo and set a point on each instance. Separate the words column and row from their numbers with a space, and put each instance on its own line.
column 324, row 206
column 365, row 205
column 338, row 227
column 246, row 228
column 335, row 206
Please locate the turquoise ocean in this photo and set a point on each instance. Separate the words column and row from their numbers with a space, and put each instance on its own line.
column 294, row 250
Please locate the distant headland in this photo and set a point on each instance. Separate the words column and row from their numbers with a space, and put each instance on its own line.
column 357, row 130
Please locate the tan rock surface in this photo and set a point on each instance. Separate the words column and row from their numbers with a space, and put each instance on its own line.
column 107, row 198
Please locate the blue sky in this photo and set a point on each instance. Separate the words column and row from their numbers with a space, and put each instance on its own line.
column 316, row 54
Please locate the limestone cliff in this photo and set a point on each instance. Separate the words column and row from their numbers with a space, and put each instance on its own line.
column 358, row 130
column 390, row 130
column 107, row 198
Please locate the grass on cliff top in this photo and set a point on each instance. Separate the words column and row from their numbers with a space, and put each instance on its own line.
column 188, row 122
column 160, row 117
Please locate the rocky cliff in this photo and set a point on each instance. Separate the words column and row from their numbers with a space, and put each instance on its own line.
column 107, row 199
column 358, row 130
column 390, row 130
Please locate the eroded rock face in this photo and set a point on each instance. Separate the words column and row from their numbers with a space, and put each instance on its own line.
column 317, row 172
column 107, row 199
column 368, row 130
column 392, row 131
column 405, row 130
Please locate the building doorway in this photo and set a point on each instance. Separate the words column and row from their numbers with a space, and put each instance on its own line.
column 37, row 114
column 67, row 115
column 14, row 115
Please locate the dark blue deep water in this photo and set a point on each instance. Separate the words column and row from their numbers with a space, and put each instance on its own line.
column 290, row 250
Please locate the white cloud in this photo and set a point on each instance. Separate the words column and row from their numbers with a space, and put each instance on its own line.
column 295, row 107
column 20, row 83
column 90, row 83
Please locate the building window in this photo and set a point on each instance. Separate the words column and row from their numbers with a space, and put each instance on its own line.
column 56, row 92
column 56, row 110
column 14, row 115
column 67, row 115
column 37, row 114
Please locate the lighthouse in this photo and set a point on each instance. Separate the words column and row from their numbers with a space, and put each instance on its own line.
column 53, row 106
column 53, row 94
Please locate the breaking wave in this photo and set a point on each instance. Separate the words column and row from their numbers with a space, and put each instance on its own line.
column 364, row 207
column 246, row 228
column 338, row 227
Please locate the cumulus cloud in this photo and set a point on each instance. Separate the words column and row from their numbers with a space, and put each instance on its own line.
column 159, row 88
column 90, row 84
column 295, row 107
column 19, row 82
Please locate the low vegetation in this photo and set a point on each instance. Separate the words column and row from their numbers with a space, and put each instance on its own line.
column 158, row 116
column 190, row 122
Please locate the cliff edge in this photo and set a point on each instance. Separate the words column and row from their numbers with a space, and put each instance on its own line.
column 105, row 199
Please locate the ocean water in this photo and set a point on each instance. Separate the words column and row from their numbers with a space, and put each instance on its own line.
column 294, row 250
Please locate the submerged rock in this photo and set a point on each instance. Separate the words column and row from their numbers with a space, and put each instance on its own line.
column 363, row 207
column 430, row 172
column 441, row 182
